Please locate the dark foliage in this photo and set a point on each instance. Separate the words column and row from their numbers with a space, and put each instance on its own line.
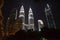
column 35, row 35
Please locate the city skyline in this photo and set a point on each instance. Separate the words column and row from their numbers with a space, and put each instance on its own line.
column 37, row 16
column 37, row 7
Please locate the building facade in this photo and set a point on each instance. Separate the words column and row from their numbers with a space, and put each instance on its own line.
column 31, row 20
column 49, row 17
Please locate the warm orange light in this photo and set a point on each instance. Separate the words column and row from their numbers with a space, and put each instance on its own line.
column 10, row 33
column 1, row 19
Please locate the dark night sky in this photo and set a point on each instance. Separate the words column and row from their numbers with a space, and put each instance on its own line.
column 37, row 7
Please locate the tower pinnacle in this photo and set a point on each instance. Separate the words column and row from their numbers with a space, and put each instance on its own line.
column 30, row 10
column 22, row 9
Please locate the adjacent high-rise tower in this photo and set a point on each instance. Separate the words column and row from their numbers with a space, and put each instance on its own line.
column 40, row 25
column 49, row 17
column 22, row 16
column 31, row 20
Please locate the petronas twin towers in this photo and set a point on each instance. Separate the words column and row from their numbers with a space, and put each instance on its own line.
column 13, row 23
column 16, row 22
column 30, row 24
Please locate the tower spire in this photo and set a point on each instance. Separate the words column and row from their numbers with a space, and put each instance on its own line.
column 16, row 15
column 30, row 10
column 22, row 14
column 30, row 14
column 48, row 5
column 22, row 9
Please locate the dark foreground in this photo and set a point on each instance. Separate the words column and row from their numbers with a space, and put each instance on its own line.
column 30, row 35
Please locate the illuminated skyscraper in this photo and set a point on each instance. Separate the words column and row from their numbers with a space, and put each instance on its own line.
column 16, row 23
column 40, row 25
column 31, row 20
column 8, row 27
column 13, row 24
column 49, row 17
column 22, row 16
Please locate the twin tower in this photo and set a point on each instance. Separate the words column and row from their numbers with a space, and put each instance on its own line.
column 30, row 24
